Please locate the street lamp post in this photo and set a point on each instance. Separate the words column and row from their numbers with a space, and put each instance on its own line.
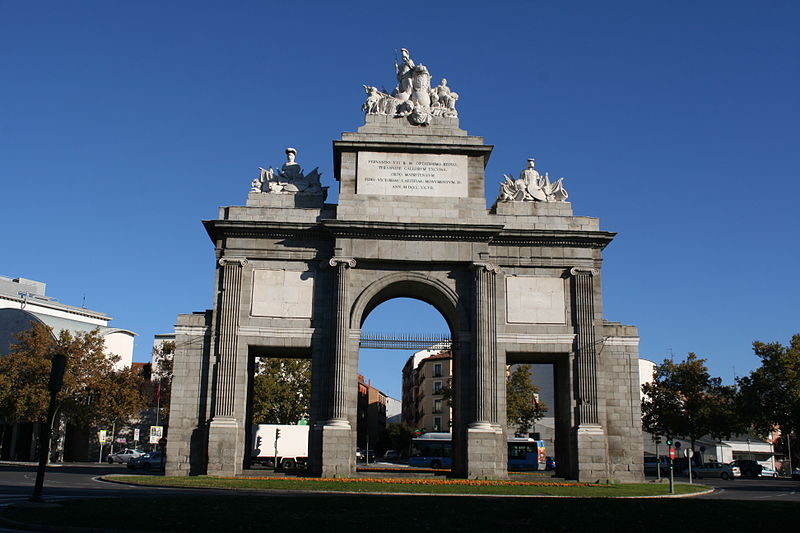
column 56, row 380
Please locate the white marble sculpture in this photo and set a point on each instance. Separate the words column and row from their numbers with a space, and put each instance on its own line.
column 532, row 187
column 290, row 179
column 413, row 96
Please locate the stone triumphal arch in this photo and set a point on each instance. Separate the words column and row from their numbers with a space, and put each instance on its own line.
column 296, row 276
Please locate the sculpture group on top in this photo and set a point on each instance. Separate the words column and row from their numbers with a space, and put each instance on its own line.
column 289, row 180
column 413, row 98
column 532, row 186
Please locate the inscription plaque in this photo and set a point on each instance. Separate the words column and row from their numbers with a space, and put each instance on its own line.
column 535, row 300
column 282, row 293
column 411, row 174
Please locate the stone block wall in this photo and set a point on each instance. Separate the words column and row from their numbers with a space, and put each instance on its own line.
column 189, row 405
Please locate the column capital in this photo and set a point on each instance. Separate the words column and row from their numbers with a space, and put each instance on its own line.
column 487, row 267
column 574, row 271
column 348, row 262
column 241, row 261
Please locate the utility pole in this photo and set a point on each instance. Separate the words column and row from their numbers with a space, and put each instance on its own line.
column 671, row 466
column 56, row 381
column 657, row 440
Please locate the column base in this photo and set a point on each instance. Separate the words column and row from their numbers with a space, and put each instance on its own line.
column 225, row 447
column 334, row 451
column 592, row 453
column 487, row 452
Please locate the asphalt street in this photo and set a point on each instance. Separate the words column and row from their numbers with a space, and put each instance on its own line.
column 80, row 480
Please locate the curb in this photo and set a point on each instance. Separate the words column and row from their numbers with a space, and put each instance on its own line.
column 296, row 492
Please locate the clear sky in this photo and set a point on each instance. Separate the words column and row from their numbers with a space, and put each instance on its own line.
column 124, row 124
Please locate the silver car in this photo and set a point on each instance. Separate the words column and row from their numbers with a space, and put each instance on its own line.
column 124, row 456
column 715, row 469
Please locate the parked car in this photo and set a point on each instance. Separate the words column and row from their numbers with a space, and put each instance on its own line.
column 796, row 474
column 124, row 456
column 147, row 461
column 768, row 472
column 652, row 464
column 550, row 463
column 715, row 469
column 391, row 456
column 748, row 467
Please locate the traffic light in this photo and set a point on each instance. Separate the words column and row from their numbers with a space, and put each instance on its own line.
column 669, row 441
column 277, row 433
column 258, row 442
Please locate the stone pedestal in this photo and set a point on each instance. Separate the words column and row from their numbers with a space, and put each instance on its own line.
column 336, row 456
column 225, row 447
column 591, row 454
column 487, row 452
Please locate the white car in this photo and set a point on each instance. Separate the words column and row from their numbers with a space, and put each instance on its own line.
column 768, row 472
column 124, row 456
column 715, row 469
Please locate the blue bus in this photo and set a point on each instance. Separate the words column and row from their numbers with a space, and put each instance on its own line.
column 435, row 450
column 432, row 450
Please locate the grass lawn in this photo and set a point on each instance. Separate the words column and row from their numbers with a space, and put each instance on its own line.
column 386, row 514
column 435, row 486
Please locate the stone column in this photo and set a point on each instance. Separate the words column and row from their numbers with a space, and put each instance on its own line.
column 588, row 434
column 335, row 456
column 485, row 345
column 225, row 438
column 486, row 449
column 339, row 385
column 586, row 352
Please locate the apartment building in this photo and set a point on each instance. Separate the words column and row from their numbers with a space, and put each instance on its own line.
column 425, row 376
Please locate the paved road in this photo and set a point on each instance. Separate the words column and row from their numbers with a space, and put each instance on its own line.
column 68, row 482
column 758, row 489
column 80, row 481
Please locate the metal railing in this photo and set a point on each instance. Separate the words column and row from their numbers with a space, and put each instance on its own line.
column 405, row 341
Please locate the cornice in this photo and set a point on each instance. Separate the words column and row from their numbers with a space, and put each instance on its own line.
column 412, row 230
column 262, row 228
column 494, row 234
column 557, row 238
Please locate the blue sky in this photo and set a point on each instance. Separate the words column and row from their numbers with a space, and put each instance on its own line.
column 124, row 124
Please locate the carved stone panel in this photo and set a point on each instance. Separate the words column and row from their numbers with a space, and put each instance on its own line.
column 282, row 293
column 535, row 300
column 394, row 174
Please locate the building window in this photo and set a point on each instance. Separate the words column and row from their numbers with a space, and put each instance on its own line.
column 437, row 387
column 437, row 423
column 437, row 370
column 437, row 406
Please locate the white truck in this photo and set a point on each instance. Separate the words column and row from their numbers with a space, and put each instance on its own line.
column 291, row 443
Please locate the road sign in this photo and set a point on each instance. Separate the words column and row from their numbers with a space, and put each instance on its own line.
column 156, row 432
column 672, row 453
column 688, row 453
column 136, row 435
column 102, row 436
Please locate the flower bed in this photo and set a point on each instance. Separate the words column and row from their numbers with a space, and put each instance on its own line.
column 402, row 481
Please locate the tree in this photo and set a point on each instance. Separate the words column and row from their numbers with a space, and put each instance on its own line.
column 684, row 400
column 93, row 393
column 523, row 408
column 281, row 391
column 157, row 385
column 769, row 397
column 397, row 436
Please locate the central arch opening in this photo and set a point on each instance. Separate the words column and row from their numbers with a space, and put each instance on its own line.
column 405, row 376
